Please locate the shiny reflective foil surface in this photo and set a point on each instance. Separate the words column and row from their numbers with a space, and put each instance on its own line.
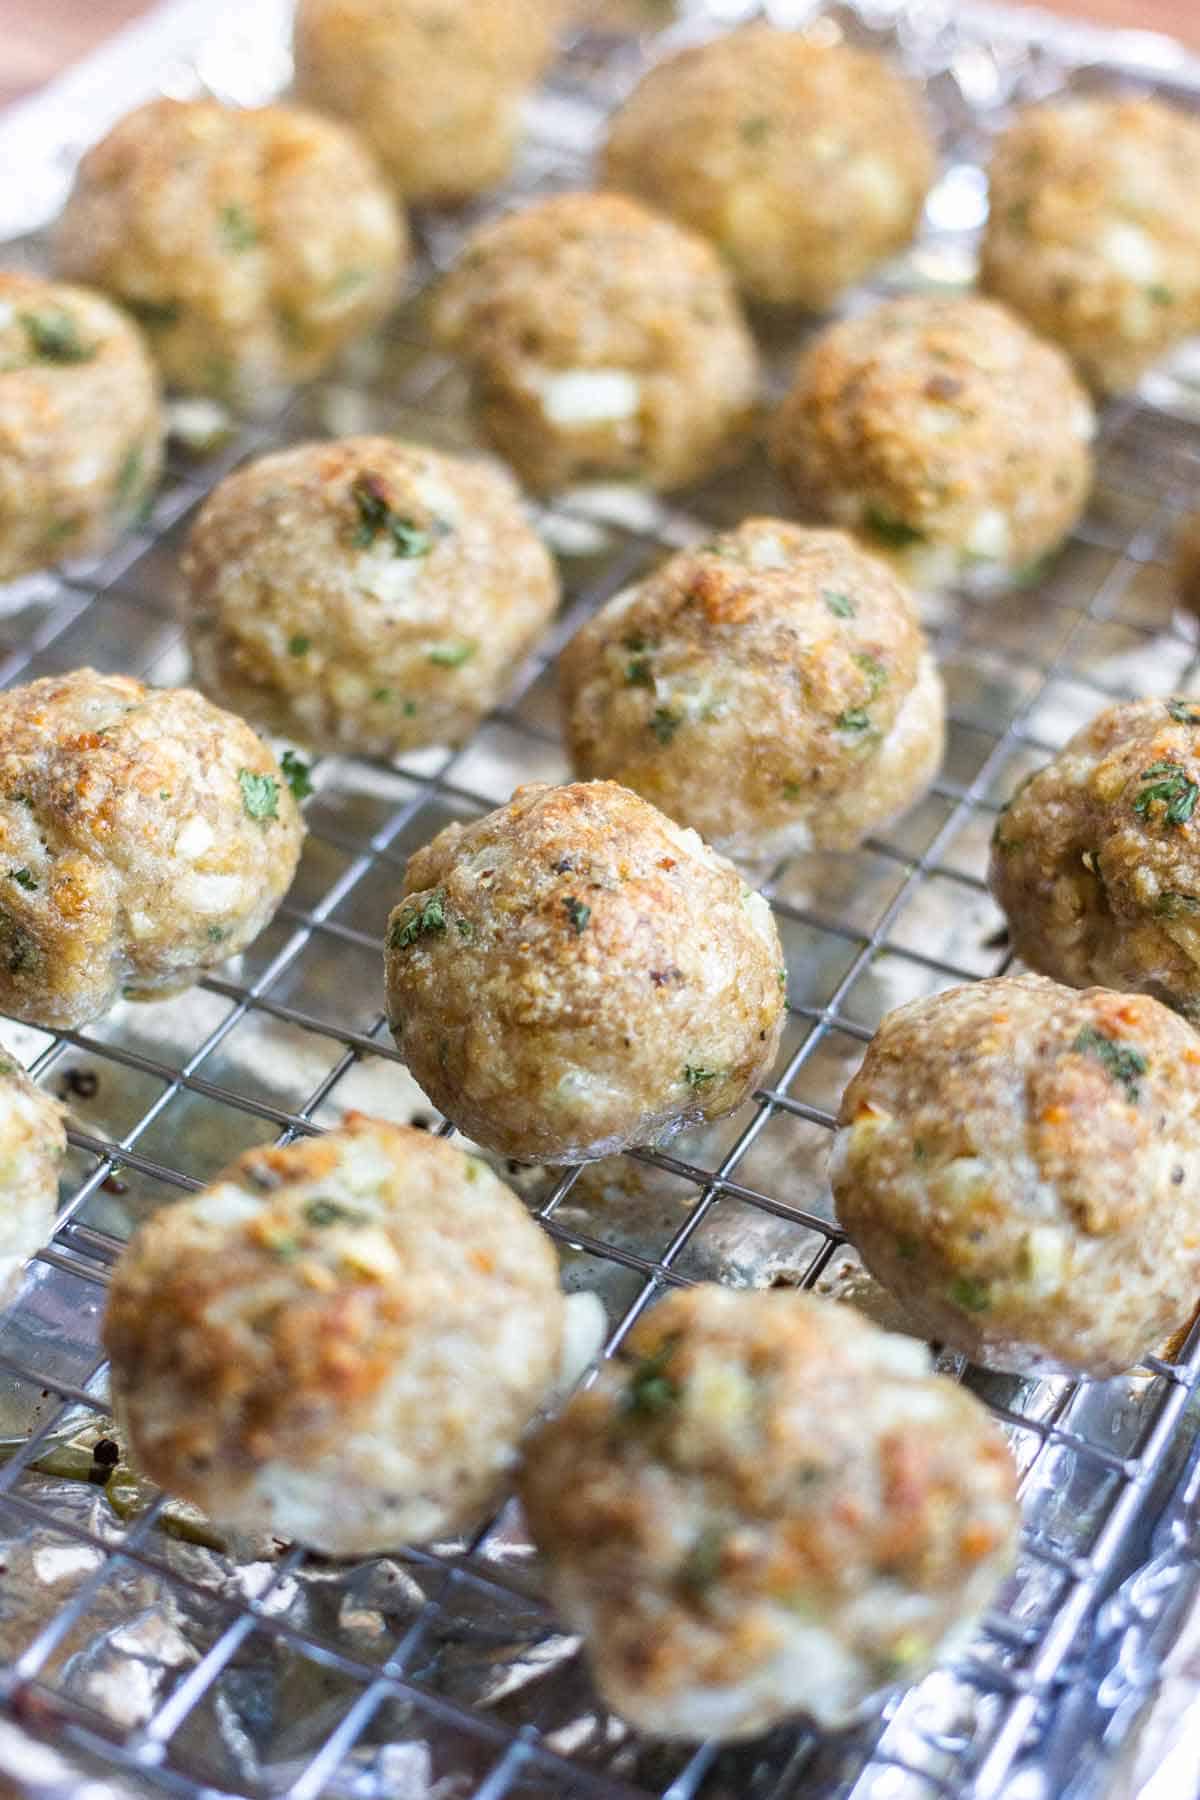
column 141, row 1652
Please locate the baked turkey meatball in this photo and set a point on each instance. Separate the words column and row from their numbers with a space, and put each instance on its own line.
column 602, row 341
column 364, row 595
column 340, row 1341
column 766, row 1505
column 1096, row 859
column 575, row 973
column 806, row 164
column 81, row 428
column 1093, row 234
column 33, row 1143
column 1019, row 1163
column 145, row 836
column 772, row 688
column 943, row 431
column 251, row 245
column 436, row 89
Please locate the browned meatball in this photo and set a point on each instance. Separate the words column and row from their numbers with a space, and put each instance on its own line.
column 1093, row 233
column 805, row 163
column 1096, row 859
column 766, row 1505
column 251, row 245
column 943, row 431
column 145, row 836
column 574, row 973
column 603, row 341
column 33, row 1142
column 1186, row 562
column 364, row 595
column 81, row 427
column 1019, row 1163
column 772, row 689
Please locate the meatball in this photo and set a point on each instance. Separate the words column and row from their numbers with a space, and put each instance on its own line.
column 1187, row 562
column 575, row 973
column 806, row 164
column 251, row 245
column 1096, row 858
column 33, row 1143
column 773, row 689
column 145, row 836
column 603, row 342
column 340, row 1341
column 81, row 428
column 941, row 430
column 366, row 595
column 436, row 91
column 766, row 1505
column 1092, row 231
column 1019, row 1163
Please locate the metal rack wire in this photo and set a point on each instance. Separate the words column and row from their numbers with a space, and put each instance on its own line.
column 441, row 1673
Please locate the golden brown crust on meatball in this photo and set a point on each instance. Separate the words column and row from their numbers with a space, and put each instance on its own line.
column 943, row 431
column 805, row 163
column 574, row 973
column 81, row 427
column 1096, row 859
column 145, row 836
column 766, row 1505
column 435, row 89
column 1092, row 233
column 1019, row 1163
column 341, row 1340
column 33, row 1142
column 366, row 594
column 603, row 341
column 250, row 244
column 772, row 689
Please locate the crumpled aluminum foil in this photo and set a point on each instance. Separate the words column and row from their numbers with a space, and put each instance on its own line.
column 476, row 1631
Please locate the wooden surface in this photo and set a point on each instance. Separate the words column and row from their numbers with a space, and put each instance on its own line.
column 39, row 39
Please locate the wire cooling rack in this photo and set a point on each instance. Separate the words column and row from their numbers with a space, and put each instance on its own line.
column 159, row 1660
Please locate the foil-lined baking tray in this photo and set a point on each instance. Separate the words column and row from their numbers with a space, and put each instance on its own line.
column 141, row 1653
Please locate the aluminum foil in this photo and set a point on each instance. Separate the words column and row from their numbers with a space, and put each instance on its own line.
column 144, row 1652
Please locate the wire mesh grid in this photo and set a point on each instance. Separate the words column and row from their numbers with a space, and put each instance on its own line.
column 176, row 1663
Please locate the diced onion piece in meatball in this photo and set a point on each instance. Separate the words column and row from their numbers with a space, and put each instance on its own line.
column 806, row 163
column 364, row 595
column 603, row 342
column 575, row 973
column 145, row 836
column 341, row 1341
column 1019, row 1163
column 801, row 1514
column 943, row 432
column 772, row 689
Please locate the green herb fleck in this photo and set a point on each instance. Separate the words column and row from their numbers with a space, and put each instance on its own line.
column 1173, row 787
column 665, row 724
column 898, row 534
column 129, row 479
column 154, row 314
column 1176, row 906
column 299, row 645
column 695, row 1076
column 651, row 1391
column 321, row 1212
column 238, row 230
column 782, row 974
column 755, row 130
column 1121, row 1061
column 638, row 672
column 54, row 336
column 1160, row 294
column 451, row 656
column 874, row 671
column 24, row 878
column 856, row 718
column 1184, row 712
column 260, row 794
column 840, row 605
column 577, row 913
column 430, row 917
column 375, row 515
column 295, row 773
column 216, row 933
column 973, row 1296
column 465, row 930
column 702, row 1564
